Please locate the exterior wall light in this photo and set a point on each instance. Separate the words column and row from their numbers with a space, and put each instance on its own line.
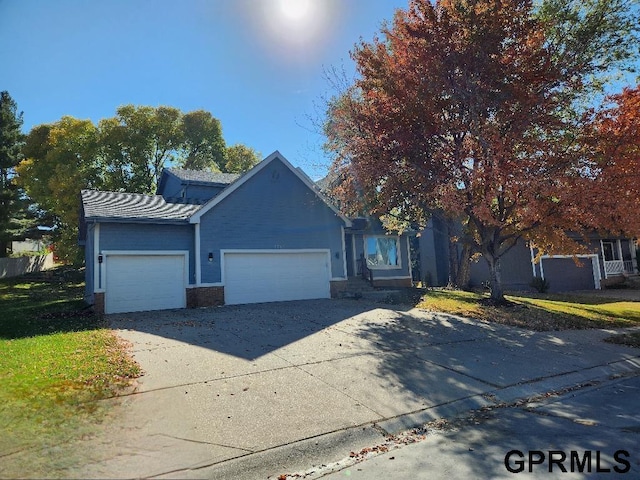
column 211, row 256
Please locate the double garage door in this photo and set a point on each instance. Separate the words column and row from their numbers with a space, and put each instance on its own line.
column 254, row 277
column 158, row 281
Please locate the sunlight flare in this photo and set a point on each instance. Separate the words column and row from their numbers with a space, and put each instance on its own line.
column 297, row 27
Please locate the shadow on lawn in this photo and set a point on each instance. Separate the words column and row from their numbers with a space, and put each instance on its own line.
column 31, row 306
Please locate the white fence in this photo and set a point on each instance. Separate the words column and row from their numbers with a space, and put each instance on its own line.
column 14, row 267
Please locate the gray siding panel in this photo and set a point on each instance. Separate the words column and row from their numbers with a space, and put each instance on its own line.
column 129, row 236
column 517, row 271
column 175, row 189
column 202, row 193
column 434, row 254
column 171, row 186
column 272, row 210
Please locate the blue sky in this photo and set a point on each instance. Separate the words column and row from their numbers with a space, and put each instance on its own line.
column 257, row 65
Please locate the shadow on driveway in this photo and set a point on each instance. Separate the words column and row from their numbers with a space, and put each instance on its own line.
column 237, row 381
column 247, row 331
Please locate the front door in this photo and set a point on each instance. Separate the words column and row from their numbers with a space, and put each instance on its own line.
column 348, row 244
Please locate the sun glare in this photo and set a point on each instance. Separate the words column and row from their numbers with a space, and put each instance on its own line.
column 297, row 27
column 295, row 10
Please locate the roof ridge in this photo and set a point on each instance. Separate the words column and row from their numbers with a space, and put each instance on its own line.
column 204, row 176
column 121, row 193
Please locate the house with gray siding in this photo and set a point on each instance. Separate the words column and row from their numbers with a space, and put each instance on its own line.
column 608, row 261
column 210, row 239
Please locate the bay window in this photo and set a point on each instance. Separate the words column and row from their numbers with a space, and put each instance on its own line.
column 382, row 251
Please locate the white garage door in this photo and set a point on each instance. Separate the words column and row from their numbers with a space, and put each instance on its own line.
column 136, row 283
column 275, row 276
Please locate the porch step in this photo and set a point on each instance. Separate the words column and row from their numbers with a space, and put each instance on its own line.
column 357, row 284
column 359, row 288
column 380, row 294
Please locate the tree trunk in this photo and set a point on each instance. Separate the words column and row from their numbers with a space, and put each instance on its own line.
column 464, row 267
column 453, row 263
column 495, row 279
column 3, row 249
column 459, row 263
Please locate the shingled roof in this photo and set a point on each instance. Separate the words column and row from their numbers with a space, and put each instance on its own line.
column 204, row 177
column 118, row 206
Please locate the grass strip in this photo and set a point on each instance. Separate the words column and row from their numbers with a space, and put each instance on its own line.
column 539, row 312
column 56, row 360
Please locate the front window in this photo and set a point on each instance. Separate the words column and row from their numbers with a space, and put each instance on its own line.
column 609, row 251
column 382, row 251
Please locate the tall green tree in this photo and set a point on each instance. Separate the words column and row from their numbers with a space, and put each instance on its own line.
column 240, row 158
column 203, row 147
column 126, row 152
column 473, row 109
column 136, row 145
column 60, row 160
column 11, row 139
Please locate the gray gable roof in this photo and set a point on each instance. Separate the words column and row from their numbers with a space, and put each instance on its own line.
column 118, row 206
column 204, row 176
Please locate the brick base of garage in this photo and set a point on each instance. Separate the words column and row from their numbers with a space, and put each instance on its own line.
column 392, row 282
column 205, row 297
column 98, row 303
column 337, row 288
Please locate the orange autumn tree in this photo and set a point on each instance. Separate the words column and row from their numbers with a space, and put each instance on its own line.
column 615, row 148
column 466, row 109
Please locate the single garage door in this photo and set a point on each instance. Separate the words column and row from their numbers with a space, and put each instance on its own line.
column 275, row 276
column 137, row 283
column 564, row 275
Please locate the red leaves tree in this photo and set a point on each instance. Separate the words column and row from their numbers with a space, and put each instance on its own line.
column 615, row 146
column 465, row 109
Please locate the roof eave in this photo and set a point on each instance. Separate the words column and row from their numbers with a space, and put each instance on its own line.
column 163, row 221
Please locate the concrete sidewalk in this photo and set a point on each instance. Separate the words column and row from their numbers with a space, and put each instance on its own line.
column 590, row 433
column 258, row 391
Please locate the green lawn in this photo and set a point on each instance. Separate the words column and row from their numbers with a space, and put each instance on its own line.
column 538, row 311
column 56, row 358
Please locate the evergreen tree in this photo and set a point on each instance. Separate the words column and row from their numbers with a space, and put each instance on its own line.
column 10, row 144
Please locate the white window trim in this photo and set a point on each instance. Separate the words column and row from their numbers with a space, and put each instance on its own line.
column 382, row 267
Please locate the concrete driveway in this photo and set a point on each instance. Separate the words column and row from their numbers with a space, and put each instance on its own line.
column 256, row 391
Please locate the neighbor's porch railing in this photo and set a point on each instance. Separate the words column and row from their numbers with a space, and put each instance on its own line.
column 618, row 267
column 628, row 266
